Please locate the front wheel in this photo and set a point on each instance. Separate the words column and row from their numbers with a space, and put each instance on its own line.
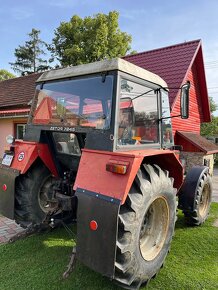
column 146, row 227
column 34, row 199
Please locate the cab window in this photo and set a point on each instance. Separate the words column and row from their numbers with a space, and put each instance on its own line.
column 138, row 114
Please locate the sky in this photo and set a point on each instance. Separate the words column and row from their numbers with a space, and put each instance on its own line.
column 152, row 24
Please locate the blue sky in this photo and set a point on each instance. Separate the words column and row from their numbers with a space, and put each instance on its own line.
column 152, row 24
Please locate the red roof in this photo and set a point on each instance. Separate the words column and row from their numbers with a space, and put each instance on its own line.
column 17, row 92
column 172, row 63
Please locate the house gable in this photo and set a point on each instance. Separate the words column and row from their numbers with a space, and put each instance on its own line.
column 176, row 64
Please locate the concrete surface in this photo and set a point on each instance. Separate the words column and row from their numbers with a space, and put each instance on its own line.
column 9, row 228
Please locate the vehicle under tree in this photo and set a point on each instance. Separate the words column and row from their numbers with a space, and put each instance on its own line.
column 99, row 149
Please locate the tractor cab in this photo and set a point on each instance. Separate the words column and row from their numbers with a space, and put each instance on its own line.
column 110, row 105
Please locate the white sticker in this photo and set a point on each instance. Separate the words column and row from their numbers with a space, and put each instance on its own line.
column 20, row 156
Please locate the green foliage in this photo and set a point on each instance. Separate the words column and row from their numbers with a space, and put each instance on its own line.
column 38, row 262
column 211, row 129
column 213, row 105
column 28, row 56
column 5, row 75
column 90, row 39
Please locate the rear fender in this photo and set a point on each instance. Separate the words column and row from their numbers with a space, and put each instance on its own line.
column 188, row 191
column 93, row 176
column 26, row 153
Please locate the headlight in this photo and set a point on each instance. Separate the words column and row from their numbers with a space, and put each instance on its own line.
column 10, row 139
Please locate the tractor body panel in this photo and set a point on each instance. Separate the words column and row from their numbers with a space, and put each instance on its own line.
column 93, row 175
column 25, row 153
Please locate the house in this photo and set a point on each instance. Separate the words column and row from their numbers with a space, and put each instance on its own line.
column 15, row 101
column 176, row 64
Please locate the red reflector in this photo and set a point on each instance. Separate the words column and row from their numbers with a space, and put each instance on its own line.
column 93, row 225
column 4, row 187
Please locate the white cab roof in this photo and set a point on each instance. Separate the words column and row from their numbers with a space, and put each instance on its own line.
column 102, row 66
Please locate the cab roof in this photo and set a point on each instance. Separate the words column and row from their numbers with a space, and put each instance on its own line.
column 100, row 67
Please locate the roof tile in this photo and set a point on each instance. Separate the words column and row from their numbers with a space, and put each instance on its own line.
column 17, row 91
column 171, row 63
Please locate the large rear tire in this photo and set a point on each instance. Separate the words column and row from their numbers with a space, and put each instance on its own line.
column 201, row 202
column 33, row 196
column 146, row 226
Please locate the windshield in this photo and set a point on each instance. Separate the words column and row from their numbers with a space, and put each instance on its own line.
column 79, row 102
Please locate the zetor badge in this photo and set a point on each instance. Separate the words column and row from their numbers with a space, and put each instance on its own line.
column 21, row 156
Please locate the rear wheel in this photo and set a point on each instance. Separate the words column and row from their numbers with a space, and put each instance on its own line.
column 201, row 201
column 34, row 199
column 146, row 226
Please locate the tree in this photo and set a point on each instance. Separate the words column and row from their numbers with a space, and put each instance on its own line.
column 5, row 75
column 90, row 39
column 211, row 129
column 28, row 56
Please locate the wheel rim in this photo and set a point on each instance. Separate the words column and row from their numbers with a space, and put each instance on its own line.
column 204, row 201
column 154, row 229
column 46, row 200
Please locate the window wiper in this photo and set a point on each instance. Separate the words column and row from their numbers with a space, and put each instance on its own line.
column 145, row 93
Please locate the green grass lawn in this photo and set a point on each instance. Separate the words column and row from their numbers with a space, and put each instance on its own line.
column 38, row 262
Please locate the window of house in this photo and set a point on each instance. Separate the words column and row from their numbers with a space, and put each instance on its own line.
column 20, row 131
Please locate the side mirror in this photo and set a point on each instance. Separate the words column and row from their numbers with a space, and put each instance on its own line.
column 184, row 100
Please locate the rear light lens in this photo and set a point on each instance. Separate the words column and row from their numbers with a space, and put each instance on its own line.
column 4, row 187
column 117, row 167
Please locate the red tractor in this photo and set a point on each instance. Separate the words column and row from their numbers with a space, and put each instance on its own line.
column 99, row 149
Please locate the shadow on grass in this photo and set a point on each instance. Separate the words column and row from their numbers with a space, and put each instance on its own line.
column 39, row 261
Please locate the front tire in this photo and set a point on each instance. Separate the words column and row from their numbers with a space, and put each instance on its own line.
column 33, row 196
column 146, row 226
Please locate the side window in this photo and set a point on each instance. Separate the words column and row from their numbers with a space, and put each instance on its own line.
column 20, row 130
column 137, row 114
column 67, row 143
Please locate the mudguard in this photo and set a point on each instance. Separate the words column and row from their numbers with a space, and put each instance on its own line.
column 97, row 220
column 188, row 191
column 7, row 187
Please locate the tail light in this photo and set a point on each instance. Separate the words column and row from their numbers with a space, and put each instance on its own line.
column 117, row 166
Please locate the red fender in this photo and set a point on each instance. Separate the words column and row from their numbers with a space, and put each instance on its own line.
column 25, row 153
column 93, row 176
